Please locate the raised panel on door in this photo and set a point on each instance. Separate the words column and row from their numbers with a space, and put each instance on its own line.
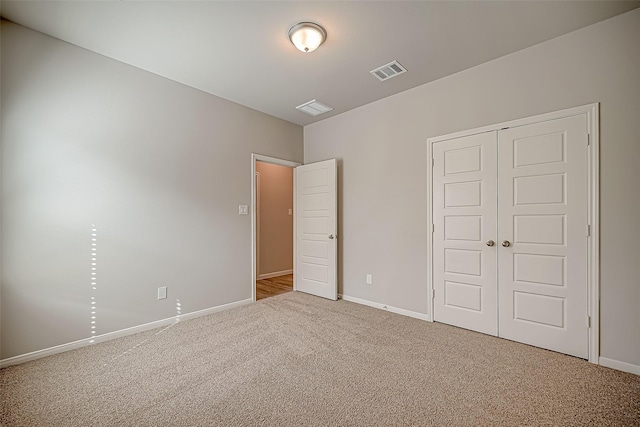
column 542, row 212
column 464, row 215
column 315, row 269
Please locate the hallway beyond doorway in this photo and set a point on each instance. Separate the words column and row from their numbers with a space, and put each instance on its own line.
column 273, row 286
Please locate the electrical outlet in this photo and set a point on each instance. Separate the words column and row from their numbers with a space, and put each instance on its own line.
column 162, row 292
column 369, row 279
column 243, row 210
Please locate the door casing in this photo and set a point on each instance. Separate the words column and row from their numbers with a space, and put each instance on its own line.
column 593, row 244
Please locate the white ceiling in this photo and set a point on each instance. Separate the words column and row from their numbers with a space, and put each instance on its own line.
column 239, row 50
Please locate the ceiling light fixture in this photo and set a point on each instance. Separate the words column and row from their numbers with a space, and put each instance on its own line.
column 307, row 36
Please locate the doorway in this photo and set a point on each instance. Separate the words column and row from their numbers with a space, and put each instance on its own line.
column 315, row 226
column 272, row 226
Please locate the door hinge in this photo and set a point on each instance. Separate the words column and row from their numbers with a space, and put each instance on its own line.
column 588, row 230
column 588, row 139
column 433, row 293
column 433, row 228
column 433, row 162
column 588, row 321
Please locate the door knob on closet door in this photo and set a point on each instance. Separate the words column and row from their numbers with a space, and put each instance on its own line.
column 490, row 243
column 506, row 243
column 331, row 236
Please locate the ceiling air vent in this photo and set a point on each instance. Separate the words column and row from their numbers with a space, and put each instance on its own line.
column 389, row 70
column 313, row 108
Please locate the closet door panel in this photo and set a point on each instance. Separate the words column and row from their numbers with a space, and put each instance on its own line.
column 542, row 214
column 464, row 207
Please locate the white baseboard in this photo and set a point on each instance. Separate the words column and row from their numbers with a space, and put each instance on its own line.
column 609, row 363
column 396, row 310
column 274, row 274
column 620, row 366
column 116, row 334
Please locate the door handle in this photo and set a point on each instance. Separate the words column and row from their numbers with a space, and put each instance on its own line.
column 506, row 243
column 490, row 243
column 331, row 236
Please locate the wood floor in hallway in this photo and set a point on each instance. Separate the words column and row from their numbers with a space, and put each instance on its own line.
column 273, row 286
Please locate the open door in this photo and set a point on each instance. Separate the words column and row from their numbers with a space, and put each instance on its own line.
column 315, row 268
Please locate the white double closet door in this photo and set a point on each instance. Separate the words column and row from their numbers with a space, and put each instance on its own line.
column 510, row 212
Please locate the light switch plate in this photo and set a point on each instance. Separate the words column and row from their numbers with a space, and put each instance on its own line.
column 243, row 210
column 162, row 292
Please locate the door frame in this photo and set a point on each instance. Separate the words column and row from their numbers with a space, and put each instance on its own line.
column 593, row 207
column 274, row 161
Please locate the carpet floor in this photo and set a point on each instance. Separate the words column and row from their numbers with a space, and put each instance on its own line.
column 299, row 360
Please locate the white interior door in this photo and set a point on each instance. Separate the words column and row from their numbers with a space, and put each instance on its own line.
column 542, row 214
column 315, row 270
column 464, row 216
column 526, row 188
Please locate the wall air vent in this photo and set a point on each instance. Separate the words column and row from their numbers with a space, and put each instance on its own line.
column 389, row 70
column 313, row 108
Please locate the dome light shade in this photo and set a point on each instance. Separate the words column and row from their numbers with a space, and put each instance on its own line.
column 307, row 36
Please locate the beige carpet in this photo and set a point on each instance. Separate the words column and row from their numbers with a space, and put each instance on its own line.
column 298, row 360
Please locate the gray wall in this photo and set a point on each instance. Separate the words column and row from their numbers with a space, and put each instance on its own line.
column 382, row 149
column 158, row 167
